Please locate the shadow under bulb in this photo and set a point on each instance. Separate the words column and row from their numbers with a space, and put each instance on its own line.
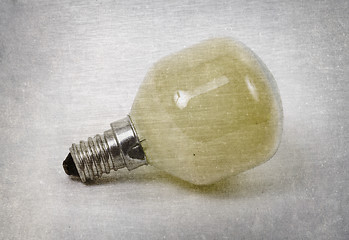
column 205, row 113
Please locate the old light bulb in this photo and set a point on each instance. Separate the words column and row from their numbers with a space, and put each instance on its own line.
column 202, row 114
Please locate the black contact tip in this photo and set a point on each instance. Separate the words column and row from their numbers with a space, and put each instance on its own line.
column 69, row 166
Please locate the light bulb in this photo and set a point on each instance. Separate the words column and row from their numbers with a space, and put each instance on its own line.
column 202, row 114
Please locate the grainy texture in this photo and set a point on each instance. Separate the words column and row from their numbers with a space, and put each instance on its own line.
column 69, row 68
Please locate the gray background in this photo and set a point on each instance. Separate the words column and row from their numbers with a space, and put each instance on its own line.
column 69, row 68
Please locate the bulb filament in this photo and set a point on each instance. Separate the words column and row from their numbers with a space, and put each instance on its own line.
column 182, row 97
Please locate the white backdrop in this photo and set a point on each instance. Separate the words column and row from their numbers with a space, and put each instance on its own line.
column 69, row 68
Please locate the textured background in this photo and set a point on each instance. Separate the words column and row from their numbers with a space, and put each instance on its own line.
column 69, row 68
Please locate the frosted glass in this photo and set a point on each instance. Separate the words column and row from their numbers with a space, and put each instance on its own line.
column 208, row 112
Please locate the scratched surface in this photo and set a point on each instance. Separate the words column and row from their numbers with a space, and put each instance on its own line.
column 69, row 68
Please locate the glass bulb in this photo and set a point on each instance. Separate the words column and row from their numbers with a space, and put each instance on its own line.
column 204, row 113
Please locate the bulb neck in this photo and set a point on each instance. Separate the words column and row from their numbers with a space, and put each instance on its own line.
column 117, row 148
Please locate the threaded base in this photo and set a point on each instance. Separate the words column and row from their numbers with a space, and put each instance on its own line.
column 117, row 148
column 93, row 158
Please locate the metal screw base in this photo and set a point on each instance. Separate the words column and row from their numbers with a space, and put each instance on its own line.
column 117, row 148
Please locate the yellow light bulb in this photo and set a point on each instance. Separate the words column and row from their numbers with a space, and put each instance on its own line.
column 202, row 114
